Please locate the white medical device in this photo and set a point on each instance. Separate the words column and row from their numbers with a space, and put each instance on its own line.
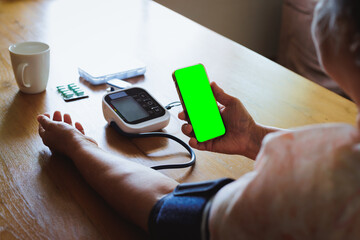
column 134, row 110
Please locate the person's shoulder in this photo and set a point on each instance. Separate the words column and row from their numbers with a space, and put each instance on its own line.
column 334, row 127
column 316, row 142
column 316, row 133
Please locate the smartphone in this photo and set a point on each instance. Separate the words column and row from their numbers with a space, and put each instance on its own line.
column 198, row 101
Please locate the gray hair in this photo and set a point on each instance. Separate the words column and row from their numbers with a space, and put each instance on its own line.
column 335, row 17
column 329, row 12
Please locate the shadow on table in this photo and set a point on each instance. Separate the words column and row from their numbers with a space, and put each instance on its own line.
column 20, row 115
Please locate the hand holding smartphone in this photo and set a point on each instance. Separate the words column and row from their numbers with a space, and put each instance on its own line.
column 198, row 102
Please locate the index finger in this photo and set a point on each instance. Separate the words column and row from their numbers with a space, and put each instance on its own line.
column 182, row 116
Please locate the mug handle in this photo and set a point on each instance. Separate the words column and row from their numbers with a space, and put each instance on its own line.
column 20, row 73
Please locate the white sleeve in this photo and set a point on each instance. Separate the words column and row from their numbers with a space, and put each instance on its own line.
column 306, row 185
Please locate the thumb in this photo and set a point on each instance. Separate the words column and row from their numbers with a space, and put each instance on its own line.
column 220, row 95
column 44, row 121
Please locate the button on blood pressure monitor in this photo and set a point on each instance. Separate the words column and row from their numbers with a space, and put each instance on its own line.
column 134, row 110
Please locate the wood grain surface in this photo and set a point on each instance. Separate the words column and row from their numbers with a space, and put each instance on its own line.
column 43, row 196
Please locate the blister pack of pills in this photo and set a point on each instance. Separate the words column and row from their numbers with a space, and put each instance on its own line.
column 71, row 92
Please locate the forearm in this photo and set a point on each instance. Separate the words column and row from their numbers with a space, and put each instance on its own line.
column 132, row 189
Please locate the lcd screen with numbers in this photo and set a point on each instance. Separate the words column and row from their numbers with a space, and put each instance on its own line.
column 134, row 105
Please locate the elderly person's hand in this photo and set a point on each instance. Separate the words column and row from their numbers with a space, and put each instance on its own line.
column 243, row 135
column 60, row 136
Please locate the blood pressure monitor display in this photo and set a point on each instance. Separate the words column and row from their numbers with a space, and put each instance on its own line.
column 129, row 109
column 134, row 105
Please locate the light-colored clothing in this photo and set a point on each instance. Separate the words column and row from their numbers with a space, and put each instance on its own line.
column 306, row 185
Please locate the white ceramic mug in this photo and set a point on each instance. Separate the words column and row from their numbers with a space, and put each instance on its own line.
column 31, row 64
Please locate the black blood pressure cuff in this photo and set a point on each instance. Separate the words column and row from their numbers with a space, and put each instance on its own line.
column 179, row 215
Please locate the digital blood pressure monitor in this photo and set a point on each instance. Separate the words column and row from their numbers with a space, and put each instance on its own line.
column 134, row 111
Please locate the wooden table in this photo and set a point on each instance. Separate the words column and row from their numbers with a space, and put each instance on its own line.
column 44, row 196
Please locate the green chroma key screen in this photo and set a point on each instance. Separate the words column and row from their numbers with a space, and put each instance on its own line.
column 200, row 103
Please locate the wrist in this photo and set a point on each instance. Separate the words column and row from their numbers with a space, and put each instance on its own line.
column 257, row 135
column 79, row 145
